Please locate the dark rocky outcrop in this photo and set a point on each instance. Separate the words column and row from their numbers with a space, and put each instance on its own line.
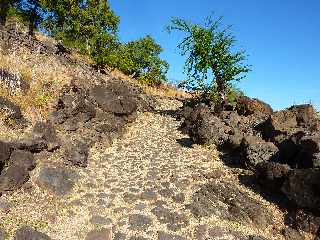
column 309, row 151
column 43, row 137
column 303, row 187
column 77, row 154
column 9, row 109
column 46, row 131
column 13, row 177
column 281, row 125
column 59, row 181
column 82, row 116
column 247, row 106
column 239, row 206
column 11, row 113
column 33, row 145
column 204, row 127
column 98, row 113
column 272, row 175
column 22, row 158
column 304, row 221
column 257, row 152
column 282, row 148
column 73, row 104
column 116, row 100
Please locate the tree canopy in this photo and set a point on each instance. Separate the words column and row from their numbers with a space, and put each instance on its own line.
column 143, row 60
column 92, row 27
column 210, row 47
column 5, row 6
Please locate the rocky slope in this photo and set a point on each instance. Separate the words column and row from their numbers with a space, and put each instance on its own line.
column 153, row 183
column 280, row 150
column 89, row 155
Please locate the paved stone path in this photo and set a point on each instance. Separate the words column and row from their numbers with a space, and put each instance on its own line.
column 140, row 188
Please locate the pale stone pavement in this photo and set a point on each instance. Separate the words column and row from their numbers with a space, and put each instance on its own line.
column 141, row 187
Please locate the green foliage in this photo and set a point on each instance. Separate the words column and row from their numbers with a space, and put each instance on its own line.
column 231, row 91
column 30, row 13
column 87, row 25
column 6, row 7
column 140, row 59
column 210, row 50
column 143, row 61
column 91, row 26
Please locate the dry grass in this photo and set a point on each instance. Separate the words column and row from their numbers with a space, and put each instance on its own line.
column 165, row 90
column 45, row 77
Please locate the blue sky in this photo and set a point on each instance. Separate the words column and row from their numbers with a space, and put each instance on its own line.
column 282, row 39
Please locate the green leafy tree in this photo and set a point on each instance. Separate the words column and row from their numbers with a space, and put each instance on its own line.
column 141, row 59
column 210, row 51
column 5, row 6
column 58, row 12
column 82, row 24
column 30, row 13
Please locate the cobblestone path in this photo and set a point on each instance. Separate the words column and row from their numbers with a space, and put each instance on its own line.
column 142, row 187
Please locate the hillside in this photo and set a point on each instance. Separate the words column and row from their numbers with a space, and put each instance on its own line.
column 88, row 154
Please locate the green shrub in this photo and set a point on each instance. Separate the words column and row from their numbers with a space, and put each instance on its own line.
column 211, row 53
column 140, row 59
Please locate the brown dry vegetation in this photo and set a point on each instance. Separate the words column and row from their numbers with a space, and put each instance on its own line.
column 164, row 90
column 47, row 74
column 44, row 75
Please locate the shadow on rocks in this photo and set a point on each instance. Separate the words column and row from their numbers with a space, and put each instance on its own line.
column 185, row 142
column 170, row 113
column 231, row 160
column 252, row 182
column 228, row 202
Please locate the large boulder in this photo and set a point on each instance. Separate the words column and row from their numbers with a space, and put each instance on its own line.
column 74, row 103
column 309, row 154
column 13, row 177
column 204, row 127
column 305, row 114
column 279, row 126
column 272, row 175
column 59, row 181
column 115, row 100
column 282, row 124
column 108, row 123
column 23, row 159
column 11, row 113
column 257, row 152
column 47, row 132
column 77, row 154
column 293, row 132
column 303, row 188
column 247, row 106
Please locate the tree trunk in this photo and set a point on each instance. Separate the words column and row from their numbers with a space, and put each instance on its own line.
column 222, row 93
column 31, row 29
column 4, row 7
column 221, row 89
column 32, row 22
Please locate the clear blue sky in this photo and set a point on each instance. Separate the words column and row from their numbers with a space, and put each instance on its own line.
column 282, row 38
